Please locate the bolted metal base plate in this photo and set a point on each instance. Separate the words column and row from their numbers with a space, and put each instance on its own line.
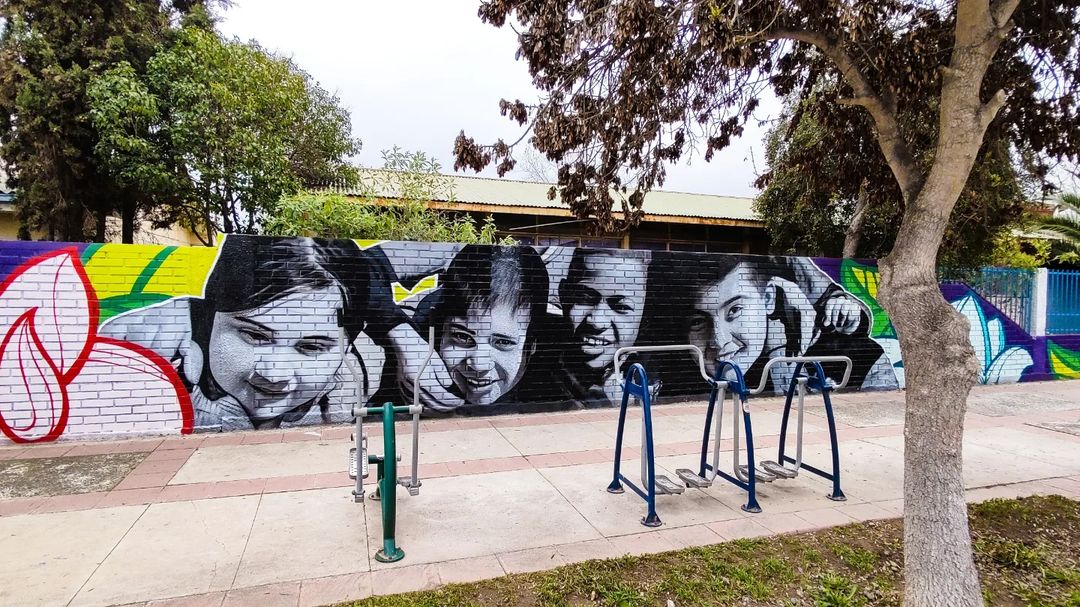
column 383, row 557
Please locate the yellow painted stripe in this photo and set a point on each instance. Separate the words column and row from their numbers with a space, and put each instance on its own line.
column 183, row 273
column 425, row 284
column 114, row 268
column 1060, row 369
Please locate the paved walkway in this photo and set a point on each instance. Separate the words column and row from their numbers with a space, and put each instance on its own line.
column 266, row 518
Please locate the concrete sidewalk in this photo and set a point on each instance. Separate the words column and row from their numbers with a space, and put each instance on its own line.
column 266, row 518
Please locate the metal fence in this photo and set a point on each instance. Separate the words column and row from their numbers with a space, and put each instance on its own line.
column 1010, row 290
column 1062, row 302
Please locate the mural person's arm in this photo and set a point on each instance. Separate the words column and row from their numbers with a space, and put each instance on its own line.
column 435, row 383
column 796, row 298
column 389, row 327
column 164, row 328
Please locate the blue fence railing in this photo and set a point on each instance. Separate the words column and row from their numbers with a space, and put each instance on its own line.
column 1062, row 302
column 1010, row 290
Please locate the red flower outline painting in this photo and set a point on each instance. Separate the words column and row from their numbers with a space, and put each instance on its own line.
column 56, row 371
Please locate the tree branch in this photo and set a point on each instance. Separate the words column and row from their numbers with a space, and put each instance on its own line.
column 892, row 143
column 1001, row 11
column 990, row 109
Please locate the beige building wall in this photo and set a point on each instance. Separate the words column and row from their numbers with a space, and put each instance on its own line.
column 9, row 230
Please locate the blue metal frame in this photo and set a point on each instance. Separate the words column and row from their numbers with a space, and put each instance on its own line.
column 738, row 386
column 814, row 382
column 639, row 389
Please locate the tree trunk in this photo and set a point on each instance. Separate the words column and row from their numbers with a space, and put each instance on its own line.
column 102, row 227
column 940, row 367
column 854, row 231
column 127, row 221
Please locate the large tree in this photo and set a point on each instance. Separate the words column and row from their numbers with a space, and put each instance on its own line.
column 215, row 131
column 829, row 192
column 49, row 51
column 630, row 85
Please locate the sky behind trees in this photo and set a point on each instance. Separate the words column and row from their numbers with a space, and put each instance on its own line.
column 415, row 73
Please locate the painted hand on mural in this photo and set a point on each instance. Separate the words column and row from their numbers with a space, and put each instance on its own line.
column 53, row 363
column 842, row 314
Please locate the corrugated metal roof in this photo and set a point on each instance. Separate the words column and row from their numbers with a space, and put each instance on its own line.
column 509, row 192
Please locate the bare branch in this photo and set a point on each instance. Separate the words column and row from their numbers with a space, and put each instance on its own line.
column 1001, row 11
column 990, row 109
column 865, row 102
column 892, row 143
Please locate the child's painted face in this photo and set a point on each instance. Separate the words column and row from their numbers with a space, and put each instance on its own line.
column 605, row 307
column 273, row 364
column 485, row 350
column 730, row 320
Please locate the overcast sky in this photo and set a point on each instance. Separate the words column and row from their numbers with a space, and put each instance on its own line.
column 414, row 73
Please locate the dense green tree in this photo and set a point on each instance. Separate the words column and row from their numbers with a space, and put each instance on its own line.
column 828, row 192
column 387, row 204
column 631, row 85
column 49, row 51
column 215, row 132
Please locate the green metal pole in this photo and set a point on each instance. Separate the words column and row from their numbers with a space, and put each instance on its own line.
column 388, row 490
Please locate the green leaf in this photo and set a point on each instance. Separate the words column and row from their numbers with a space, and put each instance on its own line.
column 113, row 306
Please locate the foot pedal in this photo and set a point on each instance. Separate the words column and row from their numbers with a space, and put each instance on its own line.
column 760, row 474
column 363, row 461
column 407, row 482
column 692, row 479
column 777, row 469
column 664, row 486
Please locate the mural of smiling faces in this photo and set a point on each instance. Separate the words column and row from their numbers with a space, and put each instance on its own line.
column 273, row 366
column 491, row 304
column 730, row 320
column 603, row 297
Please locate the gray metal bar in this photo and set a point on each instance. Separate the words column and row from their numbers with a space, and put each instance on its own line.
column 719, row 425
column 358, row 412
column 802, row 359
column 416, row 408
column 621, row 352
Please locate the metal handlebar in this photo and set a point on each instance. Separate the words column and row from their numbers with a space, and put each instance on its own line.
column 416, row 408
column 804, row 359
column 621, row 352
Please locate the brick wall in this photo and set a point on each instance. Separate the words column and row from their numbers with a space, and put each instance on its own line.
column 116, row 339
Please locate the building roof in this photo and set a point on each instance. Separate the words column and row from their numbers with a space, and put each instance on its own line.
column 515, row 196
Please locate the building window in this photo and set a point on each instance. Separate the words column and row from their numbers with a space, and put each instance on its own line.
column 601, row 243
column 650, row 245
column 556, row 241
column 697, row 247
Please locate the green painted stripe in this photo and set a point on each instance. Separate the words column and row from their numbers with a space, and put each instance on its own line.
column 148, row 271
column 89, row 251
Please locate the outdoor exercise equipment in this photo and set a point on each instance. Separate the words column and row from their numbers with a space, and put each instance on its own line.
column 636, row 384
column 386, row 464
column 807, row 374
column 746, row 476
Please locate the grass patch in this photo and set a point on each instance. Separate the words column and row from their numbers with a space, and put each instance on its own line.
column 1026, row 552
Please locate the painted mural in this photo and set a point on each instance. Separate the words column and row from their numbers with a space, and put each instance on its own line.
column 256, row 333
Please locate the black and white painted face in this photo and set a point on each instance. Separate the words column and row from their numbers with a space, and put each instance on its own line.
column 730, row 320
column 485, row 350
column 605, row 306
column 277, row 357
